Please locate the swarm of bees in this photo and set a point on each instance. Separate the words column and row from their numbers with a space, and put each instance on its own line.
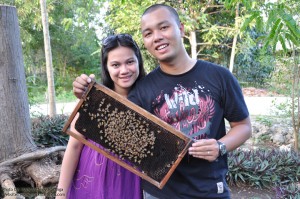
column 125, row 133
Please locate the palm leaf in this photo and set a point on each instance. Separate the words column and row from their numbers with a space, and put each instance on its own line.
column 282, row 42
column 290, row 23
column 259, row 24
column 249, row 20
column 292, row 38
column 273, row 31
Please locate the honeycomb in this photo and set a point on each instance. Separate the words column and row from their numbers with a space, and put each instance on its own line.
column 130, row 133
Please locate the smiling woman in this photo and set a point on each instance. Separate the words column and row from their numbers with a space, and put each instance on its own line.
column 123, row 69
column 122, row 66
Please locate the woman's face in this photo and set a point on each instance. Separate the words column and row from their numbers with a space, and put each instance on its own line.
column 123, row 67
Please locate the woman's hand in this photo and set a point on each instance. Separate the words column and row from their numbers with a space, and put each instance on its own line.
column 81, row 83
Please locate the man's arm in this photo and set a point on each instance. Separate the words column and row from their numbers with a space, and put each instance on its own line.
column 239, row 133
column 209, row 148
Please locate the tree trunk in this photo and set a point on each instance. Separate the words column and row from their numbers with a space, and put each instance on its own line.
column 20, row 160
column 234, row 38
column 296, row 98
column 15, row 126
column 48, row 55
column 193, row 42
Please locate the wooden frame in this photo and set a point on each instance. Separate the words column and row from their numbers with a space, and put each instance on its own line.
column 153, row 123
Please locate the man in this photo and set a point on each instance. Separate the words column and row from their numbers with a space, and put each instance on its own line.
column 195, row 97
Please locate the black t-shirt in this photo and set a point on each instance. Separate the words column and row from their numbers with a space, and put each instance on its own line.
column 196, row 103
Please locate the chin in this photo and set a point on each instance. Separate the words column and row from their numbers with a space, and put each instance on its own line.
column 127, row 84
column 166, row 59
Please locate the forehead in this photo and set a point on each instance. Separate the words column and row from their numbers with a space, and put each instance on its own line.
column 120, row 53
column 155, row 17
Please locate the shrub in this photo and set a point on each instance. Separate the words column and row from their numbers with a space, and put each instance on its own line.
column 263, row 167
column 47, row 131
column 291, row 191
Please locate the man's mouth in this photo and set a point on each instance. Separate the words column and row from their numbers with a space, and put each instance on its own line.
column 161, row 47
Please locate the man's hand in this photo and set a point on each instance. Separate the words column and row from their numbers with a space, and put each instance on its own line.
column 81, row 83
column 207, row 149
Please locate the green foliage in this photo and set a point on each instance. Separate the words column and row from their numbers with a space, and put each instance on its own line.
column 281, row 81
column 37, row 87
column 253, row 65
column 283, row 26
column 73, row 42
column 47, row 131
column 263, row 167
column 125, row 17
column 268, row 121
column 210, row 20
column 290, row 191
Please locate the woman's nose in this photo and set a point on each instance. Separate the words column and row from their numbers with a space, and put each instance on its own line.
column 124, row 69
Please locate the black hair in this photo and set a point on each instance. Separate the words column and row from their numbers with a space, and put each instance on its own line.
column 110, row 43
column 157, row 6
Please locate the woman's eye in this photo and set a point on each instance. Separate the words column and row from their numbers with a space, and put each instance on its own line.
column 130, row 62
column 115, row 65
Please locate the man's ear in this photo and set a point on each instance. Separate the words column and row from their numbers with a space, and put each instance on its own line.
column 181, row 28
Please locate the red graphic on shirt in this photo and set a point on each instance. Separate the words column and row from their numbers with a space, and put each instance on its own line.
column 187, row 111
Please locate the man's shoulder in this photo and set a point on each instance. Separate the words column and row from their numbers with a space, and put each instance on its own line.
column 152, row 74
column 201, row 62
column 212, row 67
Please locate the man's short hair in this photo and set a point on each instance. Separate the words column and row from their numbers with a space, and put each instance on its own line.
column 157, row 6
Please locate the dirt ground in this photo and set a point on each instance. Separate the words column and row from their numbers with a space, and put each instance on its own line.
column 257, row 92
column 251, row 193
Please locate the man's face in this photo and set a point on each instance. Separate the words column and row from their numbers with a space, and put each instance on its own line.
column 162, row 35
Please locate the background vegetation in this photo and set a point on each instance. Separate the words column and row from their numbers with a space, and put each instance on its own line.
column 258, row 39
column 77, row 28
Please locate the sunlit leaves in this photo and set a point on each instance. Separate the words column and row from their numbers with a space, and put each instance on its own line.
column 249, row 19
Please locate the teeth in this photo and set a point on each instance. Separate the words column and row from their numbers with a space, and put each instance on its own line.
column 128, row 77
column 161, row 47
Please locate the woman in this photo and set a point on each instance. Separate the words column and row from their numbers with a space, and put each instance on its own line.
column 86, row 173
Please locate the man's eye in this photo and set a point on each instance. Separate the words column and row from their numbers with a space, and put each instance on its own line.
column 147, row 34
column 164, row 27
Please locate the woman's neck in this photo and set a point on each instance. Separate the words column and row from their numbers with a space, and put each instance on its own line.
column 122, row 91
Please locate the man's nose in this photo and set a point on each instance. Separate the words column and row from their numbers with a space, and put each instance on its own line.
column 157, row 36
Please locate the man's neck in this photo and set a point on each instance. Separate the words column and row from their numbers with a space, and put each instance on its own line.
column 178, row 67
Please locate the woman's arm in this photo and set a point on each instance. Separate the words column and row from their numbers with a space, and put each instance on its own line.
column 69, row 164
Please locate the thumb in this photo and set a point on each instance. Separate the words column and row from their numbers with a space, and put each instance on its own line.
column 91, row 78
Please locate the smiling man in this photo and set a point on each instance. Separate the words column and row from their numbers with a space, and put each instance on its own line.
column 194, row 97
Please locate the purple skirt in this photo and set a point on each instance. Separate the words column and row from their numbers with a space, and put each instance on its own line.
column 100, row 178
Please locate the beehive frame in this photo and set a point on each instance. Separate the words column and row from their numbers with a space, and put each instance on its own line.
column 129, row 135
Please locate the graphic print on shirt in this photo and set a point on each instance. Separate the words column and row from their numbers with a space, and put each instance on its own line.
column 189, row 110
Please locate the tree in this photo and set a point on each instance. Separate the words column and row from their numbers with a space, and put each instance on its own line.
column 73, row 43
column 283, row 29
column 205, row 27
column 19, row 157
column 48, row 55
